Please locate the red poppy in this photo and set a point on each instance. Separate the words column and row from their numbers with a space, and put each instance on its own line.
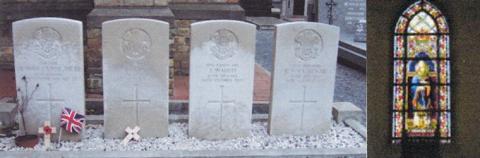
column 47, row 130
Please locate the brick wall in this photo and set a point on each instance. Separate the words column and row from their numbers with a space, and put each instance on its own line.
column 5, row 54
column 181, row 47
column 13, row 10
column 195, row 10
column 106, row 10
column 191, row 11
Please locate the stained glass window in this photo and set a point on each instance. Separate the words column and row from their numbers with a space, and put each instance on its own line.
column 421, row 75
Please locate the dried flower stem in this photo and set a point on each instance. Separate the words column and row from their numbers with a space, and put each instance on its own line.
column 25, row 100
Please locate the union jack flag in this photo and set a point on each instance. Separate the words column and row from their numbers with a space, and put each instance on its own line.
column 72, row 121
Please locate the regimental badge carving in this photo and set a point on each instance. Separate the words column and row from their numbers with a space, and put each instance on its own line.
column 308, row 45
column 225, row 44
column 136, row 44
column 47, row 42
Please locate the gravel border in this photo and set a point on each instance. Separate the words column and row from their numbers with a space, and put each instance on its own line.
column 339, row 137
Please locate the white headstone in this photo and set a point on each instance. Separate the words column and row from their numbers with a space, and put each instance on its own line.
column 135, row 76
column 303, row 78
column 221, row 79
column 49, row 52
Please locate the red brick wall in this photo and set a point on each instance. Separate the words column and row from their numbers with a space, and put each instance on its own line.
column 78, row 9
column 7, row 84
column 13, row 10
column 180, row 49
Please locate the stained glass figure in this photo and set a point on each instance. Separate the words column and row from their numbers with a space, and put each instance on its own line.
column 421, row 75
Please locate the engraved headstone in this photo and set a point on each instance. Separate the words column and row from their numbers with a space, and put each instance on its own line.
column 49, row 52
column 344, row 13
column 135, row 76
column 303, row 78
column 361, row 31
column 221, row 79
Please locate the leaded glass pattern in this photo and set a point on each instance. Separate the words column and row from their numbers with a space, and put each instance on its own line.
column 421, row 107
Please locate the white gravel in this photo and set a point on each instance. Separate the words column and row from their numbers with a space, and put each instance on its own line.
column 339, row 136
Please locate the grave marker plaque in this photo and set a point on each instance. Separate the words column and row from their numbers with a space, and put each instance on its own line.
column 49, row 52
column 344, row 13
column 221, row 79
column 135, row 76
column 303, row 78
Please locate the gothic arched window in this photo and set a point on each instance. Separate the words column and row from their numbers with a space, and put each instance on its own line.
column 421, row 75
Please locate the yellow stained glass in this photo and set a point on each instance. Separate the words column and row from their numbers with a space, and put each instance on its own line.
column 401, row 25
column 422, row 44
column 422, row 23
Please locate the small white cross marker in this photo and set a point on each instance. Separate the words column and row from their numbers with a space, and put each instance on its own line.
column 47, row 132
column 131, row 134
column 136, row 100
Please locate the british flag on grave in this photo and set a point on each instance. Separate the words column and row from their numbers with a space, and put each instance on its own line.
column 72, row 121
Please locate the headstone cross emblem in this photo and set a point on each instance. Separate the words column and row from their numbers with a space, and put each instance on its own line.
column 50, row 100
column 47, row 132
column 222, row 102
column 331, row 11
column 136, row 100
column 303, row 101
column 131, row 134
